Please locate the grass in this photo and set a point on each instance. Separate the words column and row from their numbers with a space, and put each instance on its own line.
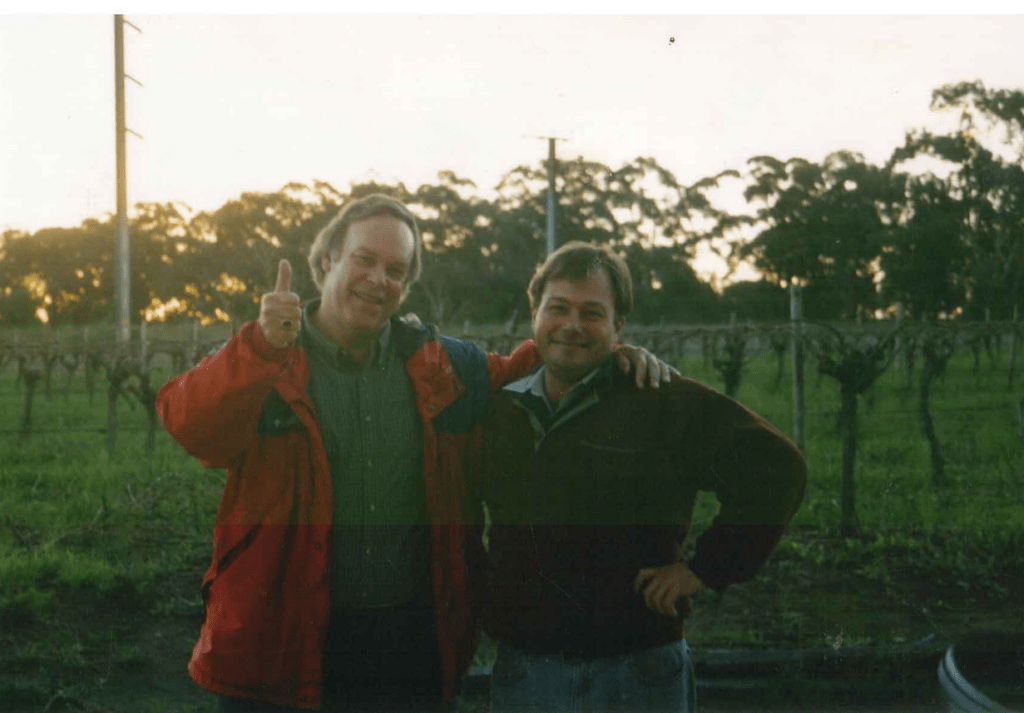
column 976, row 424
column 98, row 552
column 929, row 561
column 101, row 554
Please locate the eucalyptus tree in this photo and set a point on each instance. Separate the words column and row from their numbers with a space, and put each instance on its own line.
column 979, row 221
column 62, row 272
column 639, row 209
column 166, row 254
column 18, row 302
column 817, row 225
column 242, row 241
column 924, row 258
column 784, row 194
column 980, row 169
column 456, row 226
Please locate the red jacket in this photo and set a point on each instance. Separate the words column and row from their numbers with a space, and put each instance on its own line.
column 267, row 591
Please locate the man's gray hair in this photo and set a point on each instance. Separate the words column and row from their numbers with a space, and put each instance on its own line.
column 331, row 239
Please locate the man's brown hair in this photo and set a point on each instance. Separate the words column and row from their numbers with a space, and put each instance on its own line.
column 575, row 261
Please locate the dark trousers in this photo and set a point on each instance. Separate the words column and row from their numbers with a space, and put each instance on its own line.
column 374, row 660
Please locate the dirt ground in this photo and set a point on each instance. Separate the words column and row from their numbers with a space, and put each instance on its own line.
column 160, row 683
column 778, row 611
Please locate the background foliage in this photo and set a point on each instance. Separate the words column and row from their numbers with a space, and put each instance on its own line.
column 938, row 228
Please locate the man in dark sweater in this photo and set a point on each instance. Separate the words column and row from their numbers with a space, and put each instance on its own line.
column 590, row 484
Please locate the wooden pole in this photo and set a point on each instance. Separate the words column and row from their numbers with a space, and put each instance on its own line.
column 194, row 356
column 31, row 376
column 56, row 350
column 900, row 314
column 143, row 344
column 48, row 359
column 123, row 310
column 987, row 341
column 796, row 313
column 1013, row 343
column 56, row 355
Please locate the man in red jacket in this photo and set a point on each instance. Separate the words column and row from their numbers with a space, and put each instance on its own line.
column 338, row 578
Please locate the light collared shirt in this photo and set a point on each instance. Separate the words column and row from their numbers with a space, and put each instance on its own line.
column 544, row 416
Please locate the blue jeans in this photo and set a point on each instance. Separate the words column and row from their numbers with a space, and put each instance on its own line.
column 656, row 680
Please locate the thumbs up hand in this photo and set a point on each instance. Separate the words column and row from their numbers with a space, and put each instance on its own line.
column 280, row 314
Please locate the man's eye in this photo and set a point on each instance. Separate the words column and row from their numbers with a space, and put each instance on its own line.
column 593, row 315
column 396, row 272
column 364, row 259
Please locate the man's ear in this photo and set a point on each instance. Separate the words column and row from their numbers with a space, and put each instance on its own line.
column 325, row 262
column 406, row 288
column 618, row 329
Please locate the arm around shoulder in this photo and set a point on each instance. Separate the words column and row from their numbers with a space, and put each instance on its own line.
column 212, row 410
column 521, row 362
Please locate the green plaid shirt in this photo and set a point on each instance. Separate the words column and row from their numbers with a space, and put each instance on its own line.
column 374, row 442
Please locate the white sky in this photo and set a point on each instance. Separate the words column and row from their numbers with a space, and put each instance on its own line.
column 233, row 103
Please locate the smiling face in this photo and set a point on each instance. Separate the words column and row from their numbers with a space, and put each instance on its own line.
column 365, row 280
column 575, row 327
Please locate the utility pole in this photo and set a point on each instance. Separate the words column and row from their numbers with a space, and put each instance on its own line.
column 551, row 190
column 122, row 255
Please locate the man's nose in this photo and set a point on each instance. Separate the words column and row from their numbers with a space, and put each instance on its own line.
column 378, row 275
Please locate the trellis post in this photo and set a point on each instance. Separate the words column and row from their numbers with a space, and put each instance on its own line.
column 1014, row 328
column 796, row 314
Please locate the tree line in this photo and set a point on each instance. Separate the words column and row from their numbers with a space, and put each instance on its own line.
column 938, row 229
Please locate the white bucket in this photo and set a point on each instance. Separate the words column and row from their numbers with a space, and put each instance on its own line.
column 964, row 696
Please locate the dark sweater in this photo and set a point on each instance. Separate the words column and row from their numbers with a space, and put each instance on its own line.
column 579, row 509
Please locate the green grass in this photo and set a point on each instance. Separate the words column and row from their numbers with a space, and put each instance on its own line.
column 976, row 425
column 101, row 554
column 93, row 546
column 928, row 560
